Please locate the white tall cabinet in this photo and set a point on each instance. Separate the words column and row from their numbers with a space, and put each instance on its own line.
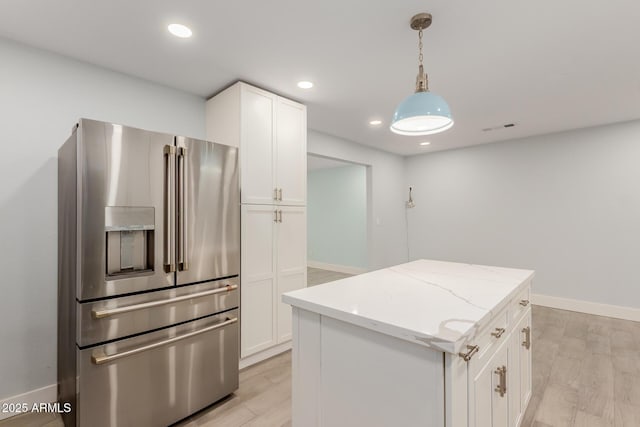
column 271, row 132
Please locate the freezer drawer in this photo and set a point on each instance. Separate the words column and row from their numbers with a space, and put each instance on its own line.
column 125, row 316
column 158, row 378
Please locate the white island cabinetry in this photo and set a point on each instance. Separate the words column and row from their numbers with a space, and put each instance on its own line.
column 427, row 343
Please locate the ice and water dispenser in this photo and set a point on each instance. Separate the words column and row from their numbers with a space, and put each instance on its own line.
column 129, row 239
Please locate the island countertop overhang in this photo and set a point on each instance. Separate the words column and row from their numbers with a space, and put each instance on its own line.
column 437, row 304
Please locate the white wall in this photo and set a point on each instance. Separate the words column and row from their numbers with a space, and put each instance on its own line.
column 387, row 244
column 566, row 205
column 41, row 96
column 337, row 216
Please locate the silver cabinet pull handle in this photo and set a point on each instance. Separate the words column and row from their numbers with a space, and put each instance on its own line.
column 502, row 387
column 280, row 194
column 101, row 313
column 527, row 337
column 472, row 349
column 498, row 332
column 275, row 194
column 280, row 216
column 98, row 357
column 275, row 216
column 169, row 209
column 524, row 302
column 183, row 259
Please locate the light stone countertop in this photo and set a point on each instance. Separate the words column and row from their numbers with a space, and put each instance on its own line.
column 437, row 304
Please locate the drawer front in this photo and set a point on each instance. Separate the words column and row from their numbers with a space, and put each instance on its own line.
column 125, row 316
column 488, row 340
column 158, row 378
column 519, row 305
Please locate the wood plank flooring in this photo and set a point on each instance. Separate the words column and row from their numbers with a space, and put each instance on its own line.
column 586, row 373
column 586, row 370
column 316, row 276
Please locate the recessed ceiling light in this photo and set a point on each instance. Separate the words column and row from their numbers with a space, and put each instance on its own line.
column 425, row 143
column 375, row 122
column 180, row 30
column 305, row 85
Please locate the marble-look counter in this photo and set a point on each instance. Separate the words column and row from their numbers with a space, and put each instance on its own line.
column 437, row 304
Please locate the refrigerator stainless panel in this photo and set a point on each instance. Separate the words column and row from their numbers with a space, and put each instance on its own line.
column 125, row 316
column 158, row 378
column 67, row 269
column 120, row 167
column 208, row 211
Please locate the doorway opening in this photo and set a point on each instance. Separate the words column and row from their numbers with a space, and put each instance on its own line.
column 337, row 219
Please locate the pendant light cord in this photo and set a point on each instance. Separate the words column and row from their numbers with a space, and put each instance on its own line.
column 422, row 84
column 420, row 56
column 406, row 218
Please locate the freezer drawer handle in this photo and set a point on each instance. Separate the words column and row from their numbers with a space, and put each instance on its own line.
column 99, row 314
column 99, row 359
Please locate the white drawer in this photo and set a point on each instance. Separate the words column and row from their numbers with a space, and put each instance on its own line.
column 519, row 305
column 489, row 339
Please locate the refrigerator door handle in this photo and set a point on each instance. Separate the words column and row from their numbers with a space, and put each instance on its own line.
column 101, row 313
column 169, row 209
column 99, row 357
column 183, row 258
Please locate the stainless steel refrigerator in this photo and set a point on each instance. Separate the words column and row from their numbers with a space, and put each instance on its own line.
column 148, row 264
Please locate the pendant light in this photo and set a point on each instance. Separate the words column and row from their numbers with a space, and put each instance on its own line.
column 424, row 112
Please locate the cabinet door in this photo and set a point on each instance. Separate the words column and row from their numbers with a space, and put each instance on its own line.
column 257, row 287
column 520, row 369
column 291, row 261
column 291, row 152
column 257, row 182
column 524, row 333
column 487, row 408
column 514, row 385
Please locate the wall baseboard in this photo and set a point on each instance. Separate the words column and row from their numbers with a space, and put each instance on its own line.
column 615, row 311
column 45, row 394
column 264, row 354
column 336, row 267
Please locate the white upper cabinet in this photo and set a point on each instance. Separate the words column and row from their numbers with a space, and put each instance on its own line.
column 271, row 132
column 257, row 178
column 291, row 152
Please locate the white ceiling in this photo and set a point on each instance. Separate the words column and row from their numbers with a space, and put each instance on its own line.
column 545, row 65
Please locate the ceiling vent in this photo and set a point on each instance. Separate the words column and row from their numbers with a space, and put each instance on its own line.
column 508, row 125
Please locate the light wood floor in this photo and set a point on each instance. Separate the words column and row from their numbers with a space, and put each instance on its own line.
column 316, row 276
column 586, row 370
column 586, row 373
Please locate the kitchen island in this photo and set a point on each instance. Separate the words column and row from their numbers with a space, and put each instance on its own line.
column 426, row 343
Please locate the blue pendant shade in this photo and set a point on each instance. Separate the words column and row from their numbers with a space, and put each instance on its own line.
column 423, row 113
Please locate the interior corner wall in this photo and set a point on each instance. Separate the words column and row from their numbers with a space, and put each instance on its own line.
column 566, row 205
column 387, row 242
column 337, row 216
column 42, row 95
